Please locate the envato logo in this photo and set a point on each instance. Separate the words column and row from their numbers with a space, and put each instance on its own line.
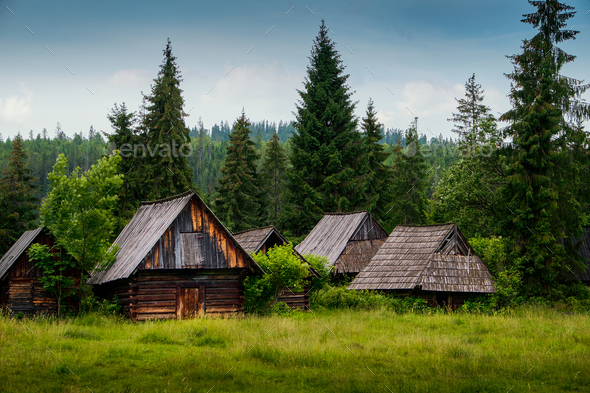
column 141, row 150
column 450, row 150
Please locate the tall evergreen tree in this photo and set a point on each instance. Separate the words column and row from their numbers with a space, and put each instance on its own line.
column 471, row 112
column 126, row 139
column 19, row 204
column 378, row 175
column 165, row 135
column 324, row 149
column 540, row 98
column 272, row 178
column 408, row 184
column 237, row 200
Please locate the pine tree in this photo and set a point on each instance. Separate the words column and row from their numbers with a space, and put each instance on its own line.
column 408, row 184
column 471, row 112
column 378, row 175
column 540, row 98
column 324, row 148
column 272, row 178
column 19, row 204
column 237, row 200
column 166, row 137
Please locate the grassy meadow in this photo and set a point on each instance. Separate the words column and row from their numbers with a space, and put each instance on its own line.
column 527, row 350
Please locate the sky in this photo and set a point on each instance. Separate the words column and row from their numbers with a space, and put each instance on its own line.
column 70, row 61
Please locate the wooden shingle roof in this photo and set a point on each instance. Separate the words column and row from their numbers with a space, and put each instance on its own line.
column 140, row 235
column 17, row 249
column 332, row 233
column 431, row 258
column 252, row 240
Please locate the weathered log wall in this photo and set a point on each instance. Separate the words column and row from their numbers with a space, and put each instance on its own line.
column 163, row 294
column 296, row 299
column 194, row 240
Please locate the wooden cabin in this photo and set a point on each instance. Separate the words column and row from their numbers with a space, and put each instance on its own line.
column 348, row 240
column 176, row 260
column 435, row 262
column 20, row 288
column 263, row 239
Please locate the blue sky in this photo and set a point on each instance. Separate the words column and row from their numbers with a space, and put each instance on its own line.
column 412, row 58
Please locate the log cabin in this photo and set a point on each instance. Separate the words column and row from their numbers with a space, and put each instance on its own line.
column 176, row 260
column 348, row 240
column 20, row 288
column 435, row 262
column 263, row 239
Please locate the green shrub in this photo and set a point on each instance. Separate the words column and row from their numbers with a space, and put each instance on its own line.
column 282, row 269
column 95, row 304
column 339, row 297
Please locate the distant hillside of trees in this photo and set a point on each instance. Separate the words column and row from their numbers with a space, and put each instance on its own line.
column 209, row 149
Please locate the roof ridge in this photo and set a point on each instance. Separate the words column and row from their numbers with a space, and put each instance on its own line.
column 344, row 213
column 186, row 193
column 424, row 226
column 254, row 229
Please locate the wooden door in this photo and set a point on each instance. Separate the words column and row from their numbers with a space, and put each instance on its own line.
column 189, row 302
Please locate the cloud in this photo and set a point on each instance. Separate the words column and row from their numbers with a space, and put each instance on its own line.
column 269, row 90
column 16, row 109
column 133, row 78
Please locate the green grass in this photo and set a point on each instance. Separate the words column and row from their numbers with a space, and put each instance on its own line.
column 532, row 350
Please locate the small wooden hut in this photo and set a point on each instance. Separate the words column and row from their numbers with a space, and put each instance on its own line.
column 20, row 288
column 263, row 239
column 348, row 240
column 176, row 260
column 435, row 262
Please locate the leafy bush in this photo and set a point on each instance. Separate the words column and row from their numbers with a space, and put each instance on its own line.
column 95, row 304
column 339, row 297
column 282, row 269
column 492, row 251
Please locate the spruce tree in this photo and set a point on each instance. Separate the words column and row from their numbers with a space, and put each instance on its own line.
column 272, row 178
column 408, row 185
column 19, row 204
column 237, row 200
column 126, row 139
column 165, row 135
column 378, row 175
column 540, row 98
column 324, row 149
column 471, row 112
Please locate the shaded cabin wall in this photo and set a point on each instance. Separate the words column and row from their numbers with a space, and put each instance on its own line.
column 361, row 248
column 357, row 255
column 369, row 230
column 24, row 291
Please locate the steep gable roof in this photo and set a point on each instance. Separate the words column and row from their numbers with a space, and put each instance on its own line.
column 140, row 235
column 253, row 239
column 331, row 234
column 17, row 249
column 431, row 258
